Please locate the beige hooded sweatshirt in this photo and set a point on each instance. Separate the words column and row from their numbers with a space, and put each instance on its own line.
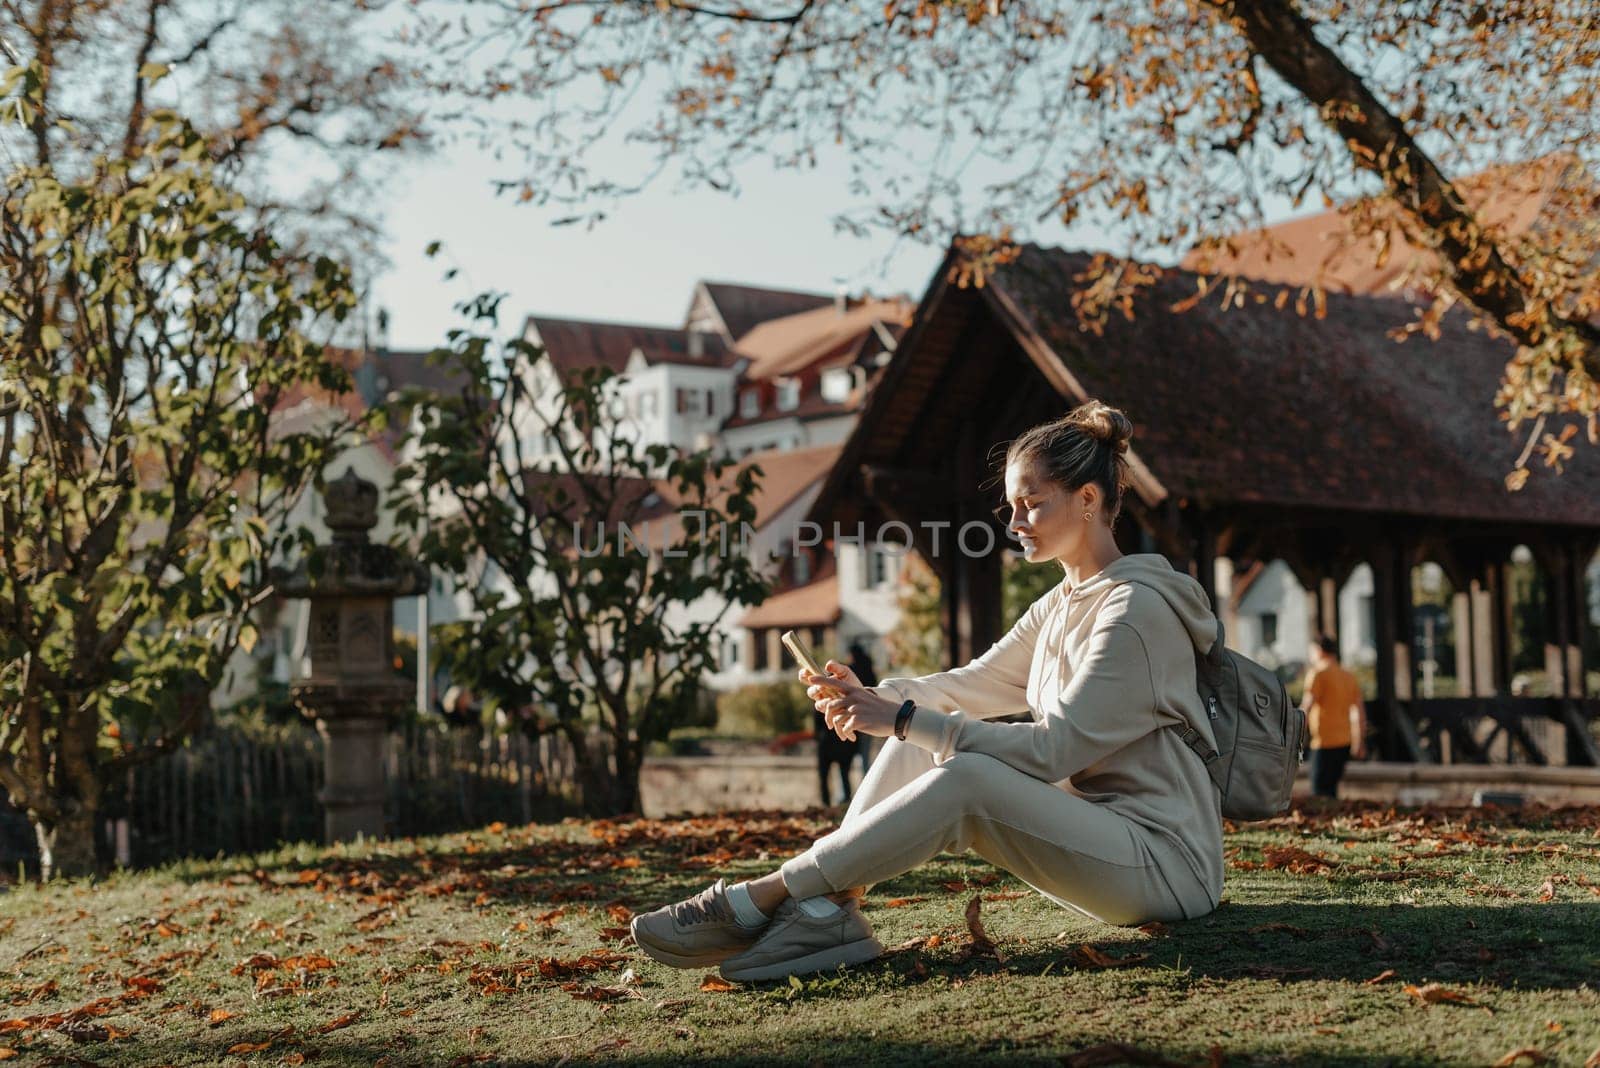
column 1105, row 668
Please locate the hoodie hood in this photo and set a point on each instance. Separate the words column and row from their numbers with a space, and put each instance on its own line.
column 1185, row 596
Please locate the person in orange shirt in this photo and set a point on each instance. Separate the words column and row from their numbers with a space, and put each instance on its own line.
column 1336, row 716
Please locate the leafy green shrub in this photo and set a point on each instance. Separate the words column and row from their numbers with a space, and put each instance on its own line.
column 764, row 709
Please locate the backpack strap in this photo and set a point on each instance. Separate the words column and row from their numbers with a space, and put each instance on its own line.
column 1193, row 739
column 1214, row 654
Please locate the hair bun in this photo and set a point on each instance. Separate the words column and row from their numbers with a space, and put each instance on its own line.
column 1105, row 424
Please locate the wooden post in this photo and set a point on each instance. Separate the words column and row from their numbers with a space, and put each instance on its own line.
column 1387, row 632
column 1328, row 607
column 1205, row 559
column 1504, row 623
column 1482, row 601
column 1558, row 620
column 1578, row 551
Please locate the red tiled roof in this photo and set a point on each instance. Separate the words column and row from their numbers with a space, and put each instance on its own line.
column 815, row 604
column 1260, row 405
column 786, row 474
column 743, row 307
column 797, row 342
column 576, row 343
column 1554, row 196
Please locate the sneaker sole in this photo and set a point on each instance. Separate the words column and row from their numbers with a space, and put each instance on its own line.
column 655, row 951
column 821, row 961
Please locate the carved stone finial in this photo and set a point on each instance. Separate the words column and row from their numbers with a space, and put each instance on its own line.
column 352, row 504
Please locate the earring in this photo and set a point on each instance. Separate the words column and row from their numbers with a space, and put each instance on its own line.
column 1088, row 516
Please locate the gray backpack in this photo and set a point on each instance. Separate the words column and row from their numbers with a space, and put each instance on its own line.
column 1261, row 736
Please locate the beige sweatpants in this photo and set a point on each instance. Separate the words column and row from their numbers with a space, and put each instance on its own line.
column 1079, row 854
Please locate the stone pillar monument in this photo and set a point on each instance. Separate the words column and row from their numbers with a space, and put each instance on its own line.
column 352, row 689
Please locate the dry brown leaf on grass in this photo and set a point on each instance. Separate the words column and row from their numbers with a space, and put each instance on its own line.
column 1296, row 861
column 1088, row 956
column 1594, row 1059
column 1530, row 1054
column 340, row 1022
column 601, row 993
column 716, row 984
column 1113, row 1053
column 6, row 1053
column 981, row 942
column 1434, row 993
column 1387, row 973
column 902, row 902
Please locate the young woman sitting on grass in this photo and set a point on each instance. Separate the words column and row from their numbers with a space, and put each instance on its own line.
column 1096, row 803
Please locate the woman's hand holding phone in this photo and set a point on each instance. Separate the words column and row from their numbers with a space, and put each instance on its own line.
column 846, row 705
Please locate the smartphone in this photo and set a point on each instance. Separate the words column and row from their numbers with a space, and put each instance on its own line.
column 792, row 641
column 802, row 655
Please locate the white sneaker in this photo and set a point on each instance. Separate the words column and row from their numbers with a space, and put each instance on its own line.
column 797, row 943
column 695, row 933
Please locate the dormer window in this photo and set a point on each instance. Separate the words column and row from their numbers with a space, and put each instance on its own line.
column 788, row 394
column 750, row 403
column 836, row 385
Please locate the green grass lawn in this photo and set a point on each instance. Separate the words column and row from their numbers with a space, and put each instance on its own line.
column 509, row 946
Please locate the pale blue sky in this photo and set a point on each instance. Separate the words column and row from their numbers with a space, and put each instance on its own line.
column 641, row 262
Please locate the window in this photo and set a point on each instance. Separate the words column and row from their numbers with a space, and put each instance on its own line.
column 1269, row 629
column 711, row 402
column 649, row 404
column 750, row 403
column 802, row 569
column 758, row 650
column 730, row 654
column 788, row 394
column 836, row 384
column 874, row 566
column 689, row 400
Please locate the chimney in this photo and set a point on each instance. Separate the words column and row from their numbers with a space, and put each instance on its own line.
column 697, row 344
column 841, row 299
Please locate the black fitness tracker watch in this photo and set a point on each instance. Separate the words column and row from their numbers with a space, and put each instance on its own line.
column 902, row 719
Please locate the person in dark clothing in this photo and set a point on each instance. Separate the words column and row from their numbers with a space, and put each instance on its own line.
column 861, row 664
column 833, row 751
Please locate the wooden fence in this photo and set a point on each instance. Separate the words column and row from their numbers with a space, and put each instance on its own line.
column 228, row 792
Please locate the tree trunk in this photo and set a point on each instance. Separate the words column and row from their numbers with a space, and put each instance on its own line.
column 66, row 845
column 1287, row 42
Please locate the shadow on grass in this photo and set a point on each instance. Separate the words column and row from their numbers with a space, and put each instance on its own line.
column 802, row 1046
column 1551, row 946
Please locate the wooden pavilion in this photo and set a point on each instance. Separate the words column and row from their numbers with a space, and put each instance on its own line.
column 1260, row 435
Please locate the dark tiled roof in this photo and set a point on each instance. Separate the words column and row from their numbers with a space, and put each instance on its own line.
column 385, row 372
column 744, row 307
column 633, row 500
column 1255, row 404
column 576, row 343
